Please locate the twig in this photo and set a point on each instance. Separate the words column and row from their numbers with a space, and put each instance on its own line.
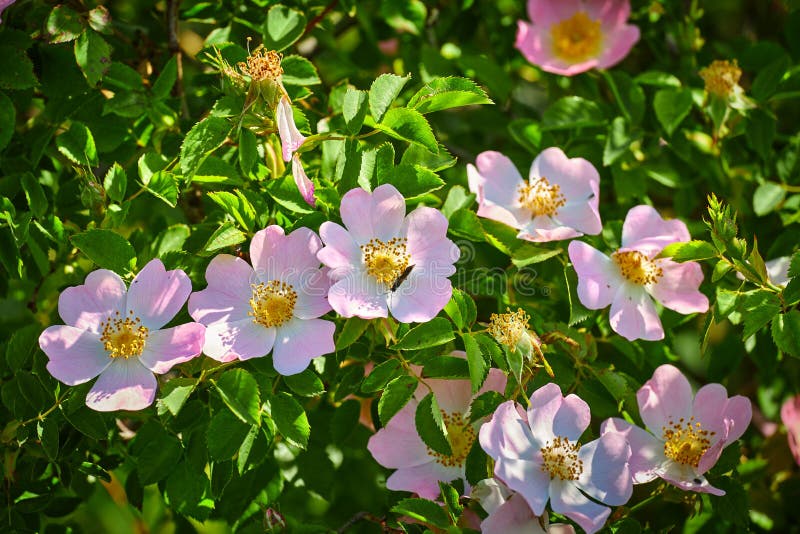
column 316, row 20
column 175, row 50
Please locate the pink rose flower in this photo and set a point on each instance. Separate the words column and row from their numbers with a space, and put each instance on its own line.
column 632, row 275
column 686, row 435
column 572, row 36
column 117, row 333
column 790, row 415
column 384, row 260
column 559, row 200
column 272, row 306
column 398, row 446
column 509, row 513
column 537, row 454
column 291, row 141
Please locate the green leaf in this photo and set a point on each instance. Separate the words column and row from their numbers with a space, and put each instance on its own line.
column 484, row 405
column 689, row 251
column 282, row 27
column 528, row 254
column 164, row 185
column 345, row 420
column 430, row 425
column 409, row 125
column 16, row 69
column 658, row 79
column 418, row 155
column 290, row 418
column 447, row 93
column 528, row 133
column 48, row 435
column 174, row 394
column 446, row 367
column 237, row 206
column 284, row 192
column 382, row 93
column 34, row 194
column 225, row 435
column 758, row 308
column 618, row 141
column 352, row 330
column 478, row 364
column 248, row 150
column 766, row 82
column 239, row 392
column 306, row 383
column 423, row 510
column 116, row 182
column 760, row 132
column 767, row 197
column 77, row 144
column 100, row 20
column 414, row 181
column 166, row 80
column 572, row 112
column 435, row 332
column 63, row 25
column 8, row 117
column 185, row 488
column 396, row 395
column 786, row 332
column 354, row 109
column 158, row 458
column 297, row 70
column 107, row 249
column 671, row 107
column 225, row 236
column 381, row 375
column 22, row 346
column 204, row 137
column 461, row 309
column 93, row 55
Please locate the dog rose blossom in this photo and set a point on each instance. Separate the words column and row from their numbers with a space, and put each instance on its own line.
column 558, row 201
column 272, row 306
column 537, row 454
column 509, row 513
column 568, row 37
column 117, row 333
column 686, row 433
column 384, row 260
column 633, row 276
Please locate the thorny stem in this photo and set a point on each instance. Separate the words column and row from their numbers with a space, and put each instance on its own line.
column 44, row 414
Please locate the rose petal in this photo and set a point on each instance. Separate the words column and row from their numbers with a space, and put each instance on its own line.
column 598, row 277
column 423, row 479
column 507, row 434
column 125, row 385
column 298, row 342
column 633, row 314
column 242, row 339
column 647, row 452
column 677, row 288
column 619, row 44
column 358, row 294
column 665, row 398
column 291, row 138
column 277, row 256
column 303, row 183
column 228, row 293
column 526, row 478
column 341, row 254
column 426, row 231
column 420, row 297
column 644, row 229
column 171, row 346
column 88, row 305
column 373, row 215
column 156, row 295
column 76, row 356
column 566, row 499
column 512, row 517
column 606, row 475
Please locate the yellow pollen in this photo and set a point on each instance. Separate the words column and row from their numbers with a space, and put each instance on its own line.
column 272, row 303
column 721, row 77
column 686, row 441
column 460, row 435
column 560, row 459
column 541, row 198
column 577, row 38
column 386, row 261
column 637, row 267
column 123, row 337
column 508, row 328
column 262, row 65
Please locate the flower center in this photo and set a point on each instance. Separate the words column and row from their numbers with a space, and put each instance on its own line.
column 386, row 262
column 460, row 435
column 637, row 267
column 561, row 459
column 262, row 65
column 272, row 303
column 577, row 38
column 686, row 441
column 541, row 198
column 721, row 77
column 123, row 337
column 508, row 328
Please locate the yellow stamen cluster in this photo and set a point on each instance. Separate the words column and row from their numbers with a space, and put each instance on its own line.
column 386, row 261
column 541, row 198
column 460, row 435
column 721, row 77
column 508, row 328
column 560, row 459
column 686, row 441
column 577, row 38
column 123, row 337
column 637, row 267
column 272, row 303
column 262, row 65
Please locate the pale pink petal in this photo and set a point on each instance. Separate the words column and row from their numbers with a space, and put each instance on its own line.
column 171, row 346
column 125, row 385
column 547, row 12
column 291, row 138
column 426, row 231
column 606, row 475
column 341, row 253
column 577, row 177
column 507, row 434
column 276, row 256
column 453, row 396
column 156, row 295
column 581, row 215
column 666, row 397
column 617, row 45
column 534, row 42
column 359, row 295
column 778, row 270
column 420, row 297
column 298, row 342
column 228, row 293
column 644, row 229
column 303, row 183
column 647, row 452
column 612, row 13
column 687, row 479
column 566, row 499
column 242, row 340
column 512, row 517
column 491, row 494
column 790, row 416
column 526, row 478
column 373, row 215
column 499, row 182
column 495, row 381
column 5, row 4
column 88, row 305
column 423, row 479
column 677, row 288
column 76, row 356
column 633, row 314
column 312, row 294
column 598, row 276
column 552, row 415
column 542, row 229
column 500, row 214
column 397, row 444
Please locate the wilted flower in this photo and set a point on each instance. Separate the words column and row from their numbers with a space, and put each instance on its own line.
column 272, row 306
column 722, row 77
column 559, row 200
column 509, row 512
column 117, row 333
column 633, row 276
column 512, row 331
column 686, row 436
column 572, row 36
column 386, row 260
column 537, row 454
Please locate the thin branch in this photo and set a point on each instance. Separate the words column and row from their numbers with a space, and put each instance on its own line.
column 316, row 20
